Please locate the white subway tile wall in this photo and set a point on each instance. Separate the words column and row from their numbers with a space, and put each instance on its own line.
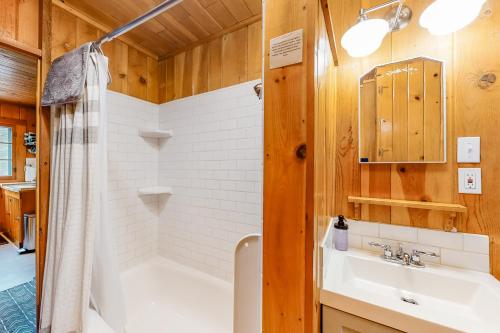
column 467, row 251
column 132, row 163
column 214, row 165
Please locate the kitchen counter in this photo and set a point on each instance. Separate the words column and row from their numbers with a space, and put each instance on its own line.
column 18, row 187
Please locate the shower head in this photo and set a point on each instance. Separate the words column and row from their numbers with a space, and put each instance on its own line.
column 258, row 90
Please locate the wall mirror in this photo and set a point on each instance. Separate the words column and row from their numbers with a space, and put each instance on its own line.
column 402, row 117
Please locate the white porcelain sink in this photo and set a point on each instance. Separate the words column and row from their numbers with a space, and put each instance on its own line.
column 449, row 299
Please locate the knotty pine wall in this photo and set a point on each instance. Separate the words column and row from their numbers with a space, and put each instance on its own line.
column 233, row 58
column 24, row 119
column 133, row 72
column 472, row 110
column 19, row 23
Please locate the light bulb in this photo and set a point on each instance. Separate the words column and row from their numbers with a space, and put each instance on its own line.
column 365, row 37
column 444, row 17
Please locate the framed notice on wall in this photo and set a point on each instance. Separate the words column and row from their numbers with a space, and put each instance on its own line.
column 287, row 49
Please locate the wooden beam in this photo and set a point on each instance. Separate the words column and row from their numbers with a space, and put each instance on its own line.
column 445, row 207
column 104, row 28
column 19, row 46
column 330, row 31
column 233, row 28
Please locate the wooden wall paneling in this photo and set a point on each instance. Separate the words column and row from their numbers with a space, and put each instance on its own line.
column 137, row 74
column 215, row 64
column 255, row 51
column 162, row 81
column 288, row 190
column 28, row 22
column 63, row 32
column 152, row 80
column 475, row 114
column 183, row 74
column 85, row 32
column 117, row 52
column 200, row 69
column 170, row 84
column 8, row 19
column 235, row 57
column 22, row 119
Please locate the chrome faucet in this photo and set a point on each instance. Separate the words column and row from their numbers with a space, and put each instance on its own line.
column 401, row 257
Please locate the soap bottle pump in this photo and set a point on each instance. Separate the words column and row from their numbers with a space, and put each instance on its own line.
column 340, row 236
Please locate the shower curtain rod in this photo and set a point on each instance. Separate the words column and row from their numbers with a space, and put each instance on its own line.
column 137, row 22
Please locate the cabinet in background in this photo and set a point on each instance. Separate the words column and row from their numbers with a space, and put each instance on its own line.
column 13, row 206
column 335, row 321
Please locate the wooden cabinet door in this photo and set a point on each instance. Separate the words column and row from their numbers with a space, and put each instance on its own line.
column 8, row 219
column 17, row 222
column 335, row 321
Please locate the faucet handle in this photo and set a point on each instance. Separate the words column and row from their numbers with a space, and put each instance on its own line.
column 424, row 253
column 387, row 248
column 415, row 257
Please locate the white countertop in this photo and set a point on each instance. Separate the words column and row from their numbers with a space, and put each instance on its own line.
column 18, row 187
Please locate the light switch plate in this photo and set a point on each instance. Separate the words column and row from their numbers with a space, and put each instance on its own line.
column 469, row 149
column 469, row 180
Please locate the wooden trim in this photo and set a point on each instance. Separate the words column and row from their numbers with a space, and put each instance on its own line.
column 43, row 145
column 445, row 207
column 14, row 143
column 233, row 28
column 103, row 27
column 330, row 31
column 18, row 46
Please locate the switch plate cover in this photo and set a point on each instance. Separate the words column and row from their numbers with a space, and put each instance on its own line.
column 469, row 180
column 469, row 149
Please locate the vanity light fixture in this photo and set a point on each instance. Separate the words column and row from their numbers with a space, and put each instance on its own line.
column 366, row 36
column 444, row 17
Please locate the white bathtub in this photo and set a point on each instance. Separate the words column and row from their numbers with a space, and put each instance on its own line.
column 165, row 297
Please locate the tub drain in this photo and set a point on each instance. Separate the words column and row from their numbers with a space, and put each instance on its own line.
column 409, row 300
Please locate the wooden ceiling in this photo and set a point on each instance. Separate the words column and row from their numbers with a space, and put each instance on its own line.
column 185, row 25
column 18, row 74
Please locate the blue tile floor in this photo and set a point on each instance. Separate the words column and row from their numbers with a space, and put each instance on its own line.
column 18, row 309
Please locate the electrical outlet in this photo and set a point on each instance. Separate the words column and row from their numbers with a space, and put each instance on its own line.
column 469, row 180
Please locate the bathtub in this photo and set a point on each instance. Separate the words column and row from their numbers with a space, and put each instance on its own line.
column 162, row 296
column 165, row 297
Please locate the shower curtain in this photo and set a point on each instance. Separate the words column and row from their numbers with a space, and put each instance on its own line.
column 81, row 269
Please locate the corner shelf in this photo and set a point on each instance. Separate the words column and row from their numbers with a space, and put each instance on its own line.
column 453, row 209
column 157, row 134
column 155, row 190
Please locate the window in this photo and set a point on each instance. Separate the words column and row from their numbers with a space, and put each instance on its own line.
column 6, row 152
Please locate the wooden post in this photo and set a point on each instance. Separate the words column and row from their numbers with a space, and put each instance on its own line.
column 288, row 189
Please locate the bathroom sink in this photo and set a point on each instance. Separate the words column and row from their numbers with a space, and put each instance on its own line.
column 435, row 298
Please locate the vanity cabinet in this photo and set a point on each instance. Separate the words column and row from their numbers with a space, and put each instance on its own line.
column 14, row 205
column 335, row 321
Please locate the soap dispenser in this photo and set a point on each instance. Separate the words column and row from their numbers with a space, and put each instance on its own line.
column 340, row 236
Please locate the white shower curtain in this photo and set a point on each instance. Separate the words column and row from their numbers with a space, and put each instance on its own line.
column 81, row 268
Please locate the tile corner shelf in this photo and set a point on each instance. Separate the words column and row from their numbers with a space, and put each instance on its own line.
column 157, row 134
column 155, row 190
